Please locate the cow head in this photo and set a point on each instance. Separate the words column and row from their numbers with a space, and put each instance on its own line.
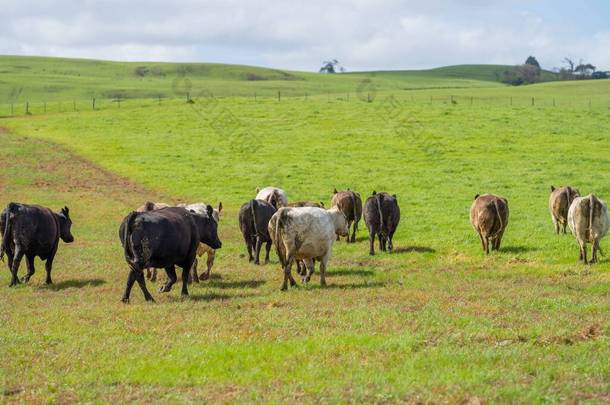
column 208, row 228
column 275, row 200
column 65, row 225
column 340, row 221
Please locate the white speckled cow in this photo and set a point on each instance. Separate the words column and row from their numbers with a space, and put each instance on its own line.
column 588, row 219
column 273, row 195
column 308, row 234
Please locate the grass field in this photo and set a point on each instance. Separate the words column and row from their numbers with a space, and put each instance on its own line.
column 436, row 321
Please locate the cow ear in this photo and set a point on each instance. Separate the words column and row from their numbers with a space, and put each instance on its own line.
column 394, row 195
column 258, row 189
column 476, row 196
column 219, row 207
column 209, row 210
column 552, row 188
column 335, row 192
column 374, row 192
column 322, row 204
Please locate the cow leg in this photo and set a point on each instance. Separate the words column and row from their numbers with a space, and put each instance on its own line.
column 323, row 270
column 209, row 263
column 193, row 276
column 142, row 283
column 148, row 273
column 349, row 225
column 555, row 224
column 29, row 260
column 310, row 268
column 153, row 277
column 15, row 266
column 565, row 224
column 288, row 274
column 371, row 243
column 249, row 246
column 131, row 278
column 185, row 280
column 584, row 252
column 171, row 279
column 48, row 266
column 594, row 250
column 267, row 250
column 354, row 229
column 580, row 256
column 259, row 243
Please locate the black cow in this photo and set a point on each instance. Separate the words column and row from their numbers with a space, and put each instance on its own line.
column 254, row 218
column 163, row 239
column 381, row 215
column 30, row 231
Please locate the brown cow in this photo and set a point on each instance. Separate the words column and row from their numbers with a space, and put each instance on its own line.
column 306, row 204
column 350, row 204
column 559, row 203
column 489, row 217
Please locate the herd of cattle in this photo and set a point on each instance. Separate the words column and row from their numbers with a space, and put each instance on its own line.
column 157, row 235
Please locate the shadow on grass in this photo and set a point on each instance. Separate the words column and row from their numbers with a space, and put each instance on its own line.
column 349, row 272
column 235, row 284
column 62, row 285
column 350, row 286
column 413, row 249
column 518, row 249
column 208, row 297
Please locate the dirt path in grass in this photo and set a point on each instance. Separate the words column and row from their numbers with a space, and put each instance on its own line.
column 57, row 169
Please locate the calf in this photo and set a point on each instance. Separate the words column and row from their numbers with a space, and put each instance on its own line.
column 489, row 218
column 273, row 195
column 163, row 239
column 350, row 203
column 589, row 222
column 559, row 203
column 254, row 217
column 381, row 216
column 201, row 209
column 30, row 231
column 306, row 234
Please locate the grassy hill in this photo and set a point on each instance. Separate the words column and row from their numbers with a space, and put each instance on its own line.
column 40, row 79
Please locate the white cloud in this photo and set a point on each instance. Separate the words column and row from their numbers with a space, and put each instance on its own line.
column 362, row 34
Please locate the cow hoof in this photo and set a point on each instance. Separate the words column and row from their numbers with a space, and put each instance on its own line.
column 184, row 296
column 48, row 282
column 164, row 289
column 125, row 300
column 372, row 253
column 284, row 289
column 24, row 279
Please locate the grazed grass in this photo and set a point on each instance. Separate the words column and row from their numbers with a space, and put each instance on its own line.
column 436, row 321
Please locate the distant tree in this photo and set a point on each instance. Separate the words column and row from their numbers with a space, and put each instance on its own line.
column 585, row 69
column 522, row 74
column 570, row 64
column 331, row 66
column 532, row 62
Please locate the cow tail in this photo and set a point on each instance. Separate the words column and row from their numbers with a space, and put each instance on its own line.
column 499, row 216
column 353, row 198
column 278, row 250
column 7, row 224
column 130, row 254
column 591, row 209
column 568, row 192
column 378, row 199
column 252, row 206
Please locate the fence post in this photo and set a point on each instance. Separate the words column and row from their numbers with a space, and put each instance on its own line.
column 12, row 109
column 27, row 107
column 511, row 101
column 279, row 96
column 368, row 97
column 533, row 101
column 553, row 101
column 93, row 103
column 471, row 100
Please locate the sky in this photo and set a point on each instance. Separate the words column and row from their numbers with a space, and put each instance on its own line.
column 299, row 35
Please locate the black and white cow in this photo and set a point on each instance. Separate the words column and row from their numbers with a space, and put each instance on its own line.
column 30, row 231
